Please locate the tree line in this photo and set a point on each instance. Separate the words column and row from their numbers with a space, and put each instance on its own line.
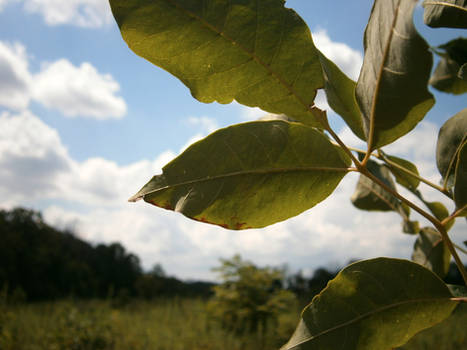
column 40, row 262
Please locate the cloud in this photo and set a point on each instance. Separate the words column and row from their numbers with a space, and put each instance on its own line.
column 32, row 158
column 82, row 13
column 78, row 91
column 346, row 58
column 75, row 91
column 15, row 78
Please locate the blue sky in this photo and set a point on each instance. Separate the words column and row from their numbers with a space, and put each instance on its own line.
column 84, row 122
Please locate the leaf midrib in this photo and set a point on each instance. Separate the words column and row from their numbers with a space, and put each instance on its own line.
column 244, row 49
column 239, row 173
column 441, row 3
column 369, row 314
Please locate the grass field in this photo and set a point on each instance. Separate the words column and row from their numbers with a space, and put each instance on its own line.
column 164, row 325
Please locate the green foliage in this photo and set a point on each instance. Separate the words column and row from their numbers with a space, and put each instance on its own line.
column 373, row 304
column 431, row 252
column 251, row 175
column 450, row 139
column 249, row 298
column 396, row 59
column 445, row 13
column 447, row 76
column 236, row 188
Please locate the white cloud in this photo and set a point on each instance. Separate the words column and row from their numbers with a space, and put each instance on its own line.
column 78, row 91
column 75, row 91
column 15, row 78
column 346, row 58
column 91, row 198
column 32, row 158
column 82, row 13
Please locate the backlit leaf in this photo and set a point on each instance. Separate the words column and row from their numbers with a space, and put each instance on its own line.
column 250, row 175
column 450, row 138
column 445, row 13
column 392, row 88
column 431, row 252
column 447, row 76
column 402, row 177
column 373, row 304
column 460, row 181
column 257, row 52
column 371, row 196
column 340, row 93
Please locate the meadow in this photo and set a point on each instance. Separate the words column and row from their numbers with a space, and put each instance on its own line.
column 175, row 324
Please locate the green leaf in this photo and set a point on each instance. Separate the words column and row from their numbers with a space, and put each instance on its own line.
column 445, row 13
column 460, row 181
column 373, row 304
column 463, row 72
column 250, row 175
column 371, row 196
column 257, row 52
column 410, row 227
column 431, row 252
column 450, row 139
column 402, row 178
column 458, row 291
column 392, row 88
column 446, row 76
column 340, row 94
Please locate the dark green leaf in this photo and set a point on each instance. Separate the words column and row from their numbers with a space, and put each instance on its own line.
column 458, row 291
column 446, row 79
column 445, row 13
column 371, row 196
column 392, row 88
column 250, row 175
column 340, row 93
column 460, row 181
column 402, row 177
column 450, row 139
column 431, row 252
column 463, row 72
column 410, row 227
column 374, row 304
column 257, row 52
column 446, row 76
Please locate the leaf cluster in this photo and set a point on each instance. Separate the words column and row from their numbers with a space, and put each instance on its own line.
column 251, row 175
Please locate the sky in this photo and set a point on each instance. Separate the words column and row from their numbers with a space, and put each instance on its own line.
column 84, row 123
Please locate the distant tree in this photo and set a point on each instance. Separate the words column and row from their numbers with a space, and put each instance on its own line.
column 249, row 297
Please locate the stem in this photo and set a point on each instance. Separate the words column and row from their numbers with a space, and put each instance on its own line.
column 323, row 119
column 453, row 215
column 444, row 234
column 438, row 225
column 418, row 177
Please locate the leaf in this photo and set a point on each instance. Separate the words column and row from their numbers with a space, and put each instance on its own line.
column 431, row 252
column 463, row 72
column 410, row 227
column 340, row 94
column 402, row 177
column 371, row 196
column 458, row 291
column 445, row 13
column 373, row 304
column 249, row 175
column 392, row 88
column 449, row 141
column 446, row 76
column 446, row 79
column 460, row 182
column 257, row 52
